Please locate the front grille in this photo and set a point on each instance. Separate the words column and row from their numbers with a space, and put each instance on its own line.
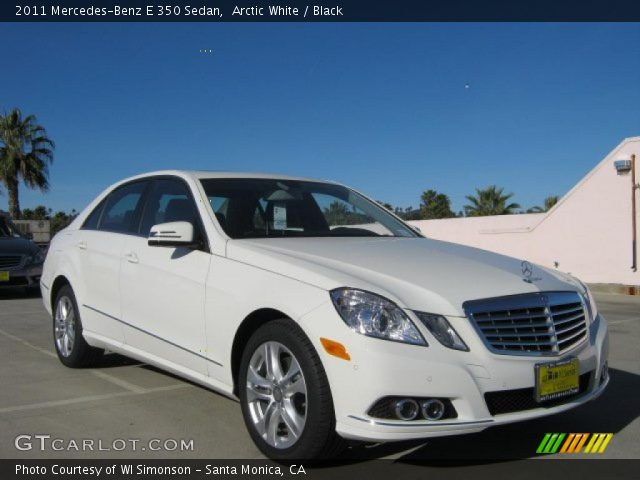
column 10, row 261
column 531, row 324
column 509, row 401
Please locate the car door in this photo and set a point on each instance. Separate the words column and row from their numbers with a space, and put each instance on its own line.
column 99, row 244
column 163, row 288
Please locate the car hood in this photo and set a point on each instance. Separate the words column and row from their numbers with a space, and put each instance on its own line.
column 417, row 273
column 17, row 246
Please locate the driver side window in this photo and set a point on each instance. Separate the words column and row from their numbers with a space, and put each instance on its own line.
column 169, row 200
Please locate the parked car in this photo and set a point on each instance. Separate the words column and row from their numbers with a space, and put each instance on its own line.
column 328, row 317
column 20, row 258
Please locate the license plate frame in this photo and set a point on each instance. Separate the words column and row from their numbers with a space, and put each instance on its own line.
column 565, row 382
column 5, row 276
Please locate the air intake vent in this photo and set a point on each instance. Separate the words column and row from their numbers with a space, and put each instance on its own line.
column 10, row 261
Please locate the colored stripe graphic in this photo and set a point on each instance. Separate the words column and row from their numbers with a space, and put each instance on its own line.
column 543, row 443
column 550, row 443
column 574, row 442
column 606, row 441
column 567, row 442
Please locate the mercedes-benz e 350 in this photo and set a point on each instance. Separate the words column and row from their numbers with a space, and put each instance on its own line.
column 325, row 315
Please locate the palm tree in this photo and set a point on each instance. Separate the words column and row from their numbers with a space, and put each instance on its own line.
column 490, row 201
column 549, row 203
column 25, row 155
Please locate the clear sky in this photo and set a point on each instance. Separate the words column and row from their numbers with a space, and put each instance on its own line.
column 381, row 107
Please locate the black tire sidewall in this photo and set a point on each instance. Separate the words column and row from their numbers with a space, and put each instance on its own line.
column 318, row 418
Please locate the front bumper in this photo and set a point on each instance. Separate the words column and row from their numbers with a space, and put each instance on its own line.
column 28, row 276
column 380, row 368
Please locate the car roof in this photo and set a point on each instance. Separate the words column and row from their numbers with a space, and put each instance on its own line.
column 206, row 174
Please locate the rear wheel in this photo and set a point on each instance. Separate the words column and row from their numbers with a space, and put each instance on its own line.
column 285, row 396
column 71, row 347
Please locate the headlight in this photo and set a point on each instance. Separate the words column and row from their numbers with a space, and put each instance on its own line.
column 589, row 301
column 442, row 330
column 375, row 316
column 35, row 258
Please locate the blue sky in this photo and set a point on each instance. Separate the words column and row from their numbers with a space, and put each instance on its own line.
column 381, row 107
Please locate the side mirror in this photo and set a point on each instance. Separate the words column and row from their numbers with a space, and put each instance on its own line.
column 172, row 234
column 28, row 236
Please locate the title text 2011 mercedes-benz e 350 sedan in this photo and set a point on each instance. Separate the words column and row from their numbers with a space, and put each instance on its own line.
column 327, row 316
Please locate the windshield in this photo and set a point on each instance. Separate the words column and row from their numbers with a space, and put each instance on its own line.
column 266, row 208
column 7, row 229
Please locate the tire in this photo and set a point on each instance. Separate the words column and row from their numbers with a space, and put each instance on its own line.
column 71, row 347
column 303, row 425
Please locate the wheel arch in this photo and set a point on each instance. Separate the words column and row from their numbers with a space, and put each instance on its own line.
column 250, row 324
column 59, row 282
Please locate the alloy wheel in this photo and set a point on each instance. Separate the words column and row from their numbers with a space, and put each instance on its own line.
column 276, row 395
column 65, row 326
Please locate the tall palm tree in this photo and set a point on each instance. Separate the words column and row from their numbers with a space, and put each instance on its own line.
column 490, row 201
column 549, row 203
column 25, row 155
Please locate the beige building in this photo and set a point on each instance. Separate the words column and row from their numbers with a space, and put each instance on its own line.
column 589, row 233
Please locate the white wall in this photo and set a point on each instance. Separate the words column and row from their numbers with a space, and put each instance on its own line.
column 588, row 233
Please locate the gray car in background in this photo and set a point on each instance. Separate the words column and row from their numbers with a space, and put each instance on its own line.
column 20, row 258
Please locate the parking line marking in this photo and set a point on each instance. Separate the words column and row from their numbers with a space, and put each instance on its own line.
column 118, row 381
column 616, row 322
column 408, row 451
column 90, row 398
column 104, row 376
column 16, row 314
column 27, row 344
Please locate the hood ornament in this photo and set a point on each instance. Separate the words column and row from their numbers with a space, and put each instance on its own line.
column 527, row 271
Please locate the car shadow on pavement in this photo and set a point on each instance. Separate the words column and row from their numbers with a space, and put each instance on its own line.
column 19, row 293
column 616, row 408
column 112, row 360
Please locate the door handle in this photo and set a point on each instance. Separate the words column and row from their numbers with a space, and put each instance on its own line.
column 131, row 257
column 82, row 245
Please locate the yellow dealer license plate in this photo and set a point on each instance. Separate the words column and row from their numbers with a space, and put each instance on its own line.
column 557, row 379
column 4, row 276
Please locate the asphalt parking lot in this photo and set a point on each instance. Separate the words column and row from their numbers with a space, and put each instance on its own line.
column 123, row 400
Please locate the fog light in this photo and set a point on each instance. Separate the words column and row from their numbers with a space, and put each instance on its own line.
column 407, row 409
column 433, row 409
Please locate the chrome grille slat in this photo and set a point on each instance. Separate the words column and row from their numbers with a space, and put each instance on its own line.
column 530, row 324
column 520, row 344
column 519, row 335
column 514, row 325
column 567, row 320
column 504, row 318
column 571, row 309
column 565, row 329
column 577, row 334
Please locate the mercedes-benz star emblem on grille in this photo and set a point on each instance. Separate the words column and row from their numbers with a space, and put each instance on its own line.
column 527, row 269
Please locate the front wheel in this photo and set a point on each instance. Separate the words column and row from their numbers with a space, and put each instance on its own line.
column 71, row 347
column 285, row 396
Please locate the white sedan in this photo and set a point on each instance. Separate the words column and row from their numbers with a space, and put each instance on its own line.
column 327, row 316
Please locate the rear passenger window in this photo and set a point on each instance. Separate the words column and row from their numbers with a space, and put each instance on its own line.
column 91, row 223
column 122, row 209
